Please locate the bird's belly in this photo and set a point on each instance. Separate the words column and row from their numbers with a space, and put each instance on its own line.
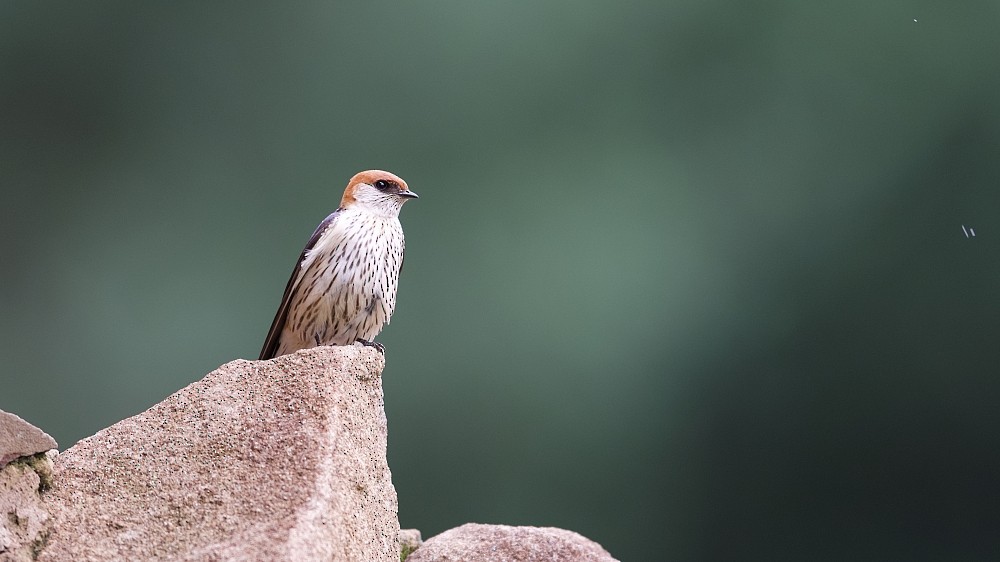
column 350, row 311
column 351, row 290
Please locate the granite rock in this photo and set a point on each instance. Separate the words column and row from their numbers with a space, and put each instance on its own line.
column 502, row 543
column 261, row 460
column 19, row 438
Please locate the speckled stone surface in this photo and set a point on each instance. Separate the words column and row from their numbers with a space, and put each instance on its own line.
column 24, row 522
column 19, row 438
column 25, row 469
column 260, row 460
column 502, row 543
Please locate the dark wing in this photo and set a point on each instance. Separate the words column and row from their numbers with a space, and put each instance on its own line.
column 274, row 334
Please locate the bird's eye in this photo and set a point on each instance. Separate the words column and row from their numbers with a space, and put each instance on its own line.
column 382, row 185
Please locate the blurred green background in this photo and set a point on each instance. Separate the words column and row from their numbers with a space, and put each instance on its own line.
column 688, row 277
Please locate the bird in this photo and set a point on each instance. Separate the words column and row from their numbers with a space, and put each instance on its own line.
column 343, row 288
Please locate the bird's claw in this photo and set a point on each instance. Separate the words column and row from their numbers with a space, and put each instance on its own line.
column 375, row 344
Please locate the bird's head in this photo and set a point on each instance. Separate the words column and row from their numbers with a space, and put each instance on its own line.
column 377, row 192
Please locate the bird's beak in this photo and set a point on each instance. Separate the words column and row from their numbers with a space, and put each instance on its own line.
column 408, row 194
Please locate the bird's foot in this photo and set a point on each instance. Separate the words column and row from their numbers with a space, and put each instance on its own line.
column 375, row 344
